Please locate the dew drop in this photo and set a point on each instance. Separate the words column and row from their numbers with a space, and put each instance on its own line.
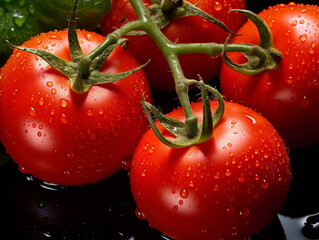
column 32, row 112
column 139, row 214
column 143, row 174
column 294, row 23
column 305, row 101
column 70, row 155
column 64, row 119
column 175, row 208
column 53, row 91
column 265, row 184
column 244, row 212
column 218, row 6
column 228, row 173
column 184, row 193
column 89, row 113
column 242, row 178
column 64, row 103
column 180, row 202
column 41, row 101
column 303, row 37
column 230, row 209
column 216, row 188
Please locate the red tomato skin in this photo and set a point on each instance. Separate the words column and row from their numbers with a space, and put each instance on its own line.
column 288, row 96
column 63, row 137
column 229, row 187
column 191, row 29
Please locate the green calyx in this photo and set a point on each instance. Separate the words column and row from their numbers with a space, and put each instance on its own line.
column 260, row 58
column 83, row 70
column 180, row 129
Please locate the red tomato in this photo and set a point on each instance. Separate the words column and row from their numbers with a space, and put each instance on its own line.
column 61, row 136
column 189, row 29
column 288, row 96
column 229, row 187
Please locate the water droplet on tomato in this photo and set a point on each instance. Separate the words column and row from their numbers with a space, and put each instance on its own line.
column 180, row 202
column 41, row 101
column 53, row 91
column 143, row 174
column 289, row 80
column 230, row 209
column 218, row 6
column 32, row 112
column 216, row 188
column 294, row 23
column 265, row 184
column 64, row 103
column 303, row 37
column 89, row 113
column 305, row 101
column 242, row 178
column 244, row 213
column 139, row 214
column 70, row 155
column 175, row 208
column 64, row 119
column 184, row 193
column 228, row 173
column 315, row 82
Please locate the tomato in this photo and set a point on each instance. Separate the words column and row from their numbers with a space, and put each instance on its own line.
column 61, row 136
column 288, row 96
column 191, row 29
column 229, row 187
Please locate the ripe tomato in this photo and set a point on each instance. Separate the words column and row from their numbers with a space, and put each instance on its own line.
column 189, row 29
column 229, row 187
column 288, row 96
column 61, row 136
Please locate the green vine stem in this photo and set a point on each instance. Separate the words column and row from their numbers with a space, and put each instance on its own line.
column 83, row 70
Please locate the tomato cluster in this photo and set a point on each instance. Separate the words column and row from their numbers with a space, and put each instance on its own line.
column 229, row 187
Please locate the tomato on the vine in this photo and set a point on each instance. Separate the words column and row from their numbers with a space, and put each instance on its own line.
column 61, row 136
column 288, row 96
column 190, row 29
column 229, row 187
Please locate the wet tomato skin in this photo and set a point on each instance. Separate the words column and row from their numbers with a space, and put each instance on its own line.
column 288, row 96
column 229, row 187
column 58, row 135
column 190, row 29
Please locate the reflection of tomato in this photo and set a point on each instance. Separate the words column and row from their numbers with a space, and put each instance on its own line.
column 93, row 211
column 288, row 96
column 229, row 187
column 183, row 30
column 61, row 136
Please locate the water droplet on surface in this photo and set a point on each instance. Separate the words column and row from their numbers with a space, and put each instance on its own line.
column 265, row 184
column 218, row 6
column 139, row 214
column 294, row 23
column 303, row 37
column 64, row 119
column 184, row 193
column 244, row 212
column 32, row 112
column 175, row 208
column 64, row 103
